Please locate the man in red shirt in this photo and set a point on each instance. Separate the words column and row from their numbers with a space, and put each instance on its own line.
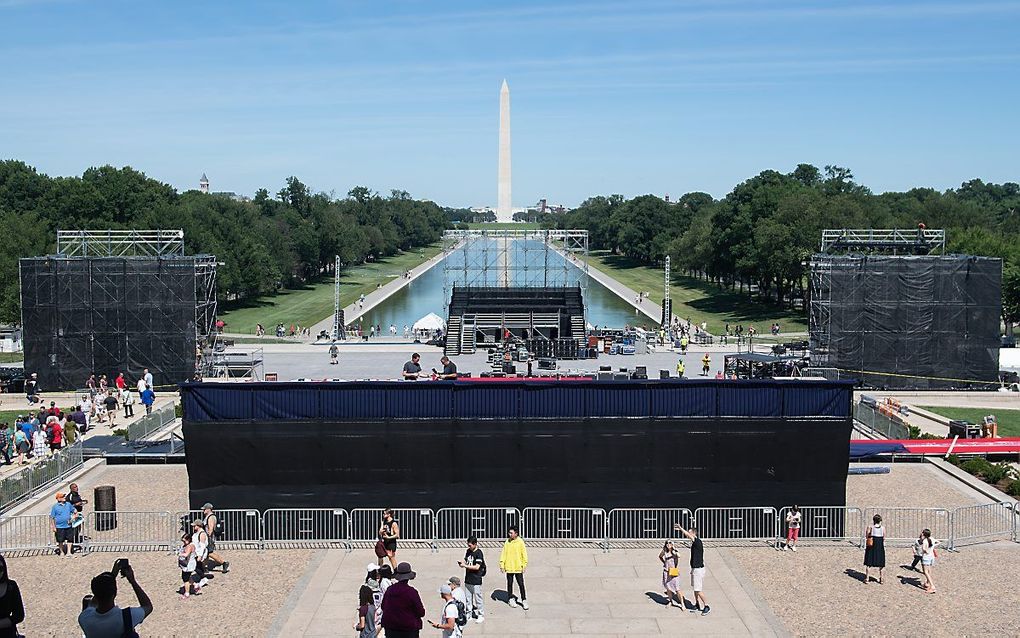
column 121, row 383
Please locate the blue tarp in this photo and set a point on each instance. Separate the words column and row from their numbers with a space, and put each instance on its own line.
column 516, row 400
column 865, row 450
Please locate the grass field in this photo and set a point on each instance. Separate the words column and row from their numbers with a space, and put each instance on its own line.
column 11, row 357
column 310, row 304
column 1009, row 420
column 699, row 300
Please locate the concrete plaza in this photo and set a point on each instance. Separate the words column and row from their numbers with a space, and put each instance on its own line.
column 572, row 592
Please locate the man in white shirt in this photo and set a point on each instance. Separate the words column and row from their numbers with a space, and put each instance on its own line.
column 450, row 613
column 103, row 618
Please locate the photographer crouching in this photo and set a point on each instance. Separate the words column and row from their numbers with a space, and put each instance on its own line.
column 101, row 617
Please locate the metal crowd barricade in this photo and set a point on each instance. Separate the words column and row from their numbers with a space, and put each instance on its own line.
column 647, row 524
column 417, row 525
column 904, row 524
column 983, row 523
column 150, row 423
column 40, row 475
column 20, row 533
column 577, row 524
column 122, row 530
column 836, row 523
column 241, row 528
column 487, row 523
column 303, row 527
column 730, row 524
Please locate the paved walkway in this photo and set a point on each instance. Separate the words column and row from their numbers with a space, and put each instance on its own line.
column 572, row 592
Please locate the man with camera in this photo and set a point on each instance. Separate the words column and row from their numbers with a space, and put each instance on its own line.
column 101, row 617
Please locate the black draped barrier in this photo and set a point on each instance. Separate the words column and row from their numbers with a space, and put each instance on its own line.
column 907, row 322
column 669, row 443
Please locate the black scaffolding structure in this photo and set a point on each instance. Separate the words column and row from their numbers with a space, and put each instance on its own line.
column 117, row 301
column 896, row 313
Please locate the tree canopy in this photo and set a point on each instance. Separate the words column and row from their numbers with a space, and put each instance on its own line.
column 264, row 244
column 762, row 233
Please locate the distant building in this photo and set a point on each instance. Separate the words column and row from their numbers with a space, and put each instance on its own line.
column 203, row 184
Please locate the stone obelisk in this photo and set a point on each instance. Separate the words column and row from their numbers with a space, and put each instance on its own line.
column 504, row 209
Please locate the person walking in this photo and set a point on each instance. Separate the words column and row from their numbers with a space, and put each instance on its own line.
column 187, row 561
column 697, row 567
column 928, row 555
column 706, row 361
column 474, row 571
column 684, row 341
column 874, row 552
column 40, row 446
column 128, row 402
column 111, row 405
column 12, row 608
column 334, row 354
column 6, row 443
column 513, row 560
column 22, row 445
column 449, row 622
column 793, row 518
column 148, row 398
column 918, row 550
column 402, row 606
column 32, row 389
column 680, row 368
column 670, row 560
column 213, row 527
column 389, row 532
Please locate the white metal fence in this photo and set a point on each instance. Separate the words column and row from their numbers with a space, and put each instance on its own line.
column 576, row 524
column 129, row 530
column 983, row 523
column 904, row 524
column 647, row 523
column 150, row 423
column 247, row 529
column 287, row 527
column 826, row 523
column 485, row 523
column 416, row 525
column 40, row 475
column 727, row 524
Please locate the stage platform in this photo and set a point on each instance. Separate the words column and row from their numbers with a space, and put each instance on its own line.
column 116, row 450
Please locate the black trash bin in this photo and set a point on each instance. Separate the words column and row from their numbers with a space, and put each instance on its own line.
column 105, row 503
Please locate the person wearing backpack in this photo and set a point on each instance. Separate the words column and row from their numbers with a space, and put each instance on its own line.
column 474, row 571
column 214, row 528
column 454, row 618
column 102, row 618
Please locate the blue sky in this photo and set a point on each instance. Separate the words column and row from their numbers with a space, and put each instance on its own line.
column 608, row 97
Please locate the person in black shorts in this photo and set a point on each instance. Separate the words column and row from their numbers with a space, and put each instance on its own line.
column 210, row 521
column 389, row 532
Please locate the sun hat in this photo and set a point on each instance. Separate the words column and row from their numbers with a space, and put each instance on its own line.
column 403, row 572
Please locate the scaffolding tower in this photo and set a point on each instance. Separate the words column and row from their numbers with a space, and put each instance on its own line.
column 889, row 241
column 514, row 259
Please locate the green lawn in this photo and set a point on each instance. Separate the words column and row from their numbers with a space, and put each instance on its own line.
column 11, row 357
column 1009, row 420
column 699, row 300
column 310, row 304
column 8, row 416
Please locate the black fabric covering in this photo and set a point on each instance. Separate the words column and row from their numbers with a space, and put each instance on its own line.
column 105, row 315
column 930, row 322
column 575, row 462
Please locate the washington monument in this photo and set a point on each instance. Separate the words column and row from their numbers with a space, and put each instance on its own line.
column 504, row 206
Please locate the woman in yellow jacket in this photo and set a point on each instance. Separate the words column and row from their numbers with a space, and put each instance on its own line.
column 513, row 560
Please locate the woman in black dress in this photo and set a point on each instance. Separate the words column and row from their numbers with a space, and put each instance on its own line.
column 389, row 532
column 12, row 610
column 874, row 553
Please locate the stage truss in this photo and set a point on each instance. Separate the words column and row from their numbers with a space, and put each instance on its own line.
column 514, row 258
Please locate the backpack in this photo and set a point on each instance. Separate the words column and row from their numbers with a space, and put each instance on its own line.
column 461, row 612
column 129, row 630
column 218, row 531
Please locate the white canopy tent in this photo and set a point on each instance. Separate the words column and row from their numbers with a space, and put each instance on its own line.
column 429, row 323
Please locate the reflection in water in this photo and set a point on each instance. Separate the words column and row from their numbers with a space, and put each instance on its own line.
column 529, row 266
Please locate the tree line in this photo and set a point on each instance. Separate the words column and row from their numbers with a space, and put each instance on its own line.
column 269, row 242
column 760, row 236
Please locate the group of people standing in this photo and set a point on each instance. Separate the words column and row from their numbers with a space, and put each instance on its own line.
column 387, row 601
column 925, row 552
column 197, row 555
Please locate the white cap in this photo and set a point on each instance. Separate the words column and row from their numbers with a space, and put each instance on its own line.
column 371, row 567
